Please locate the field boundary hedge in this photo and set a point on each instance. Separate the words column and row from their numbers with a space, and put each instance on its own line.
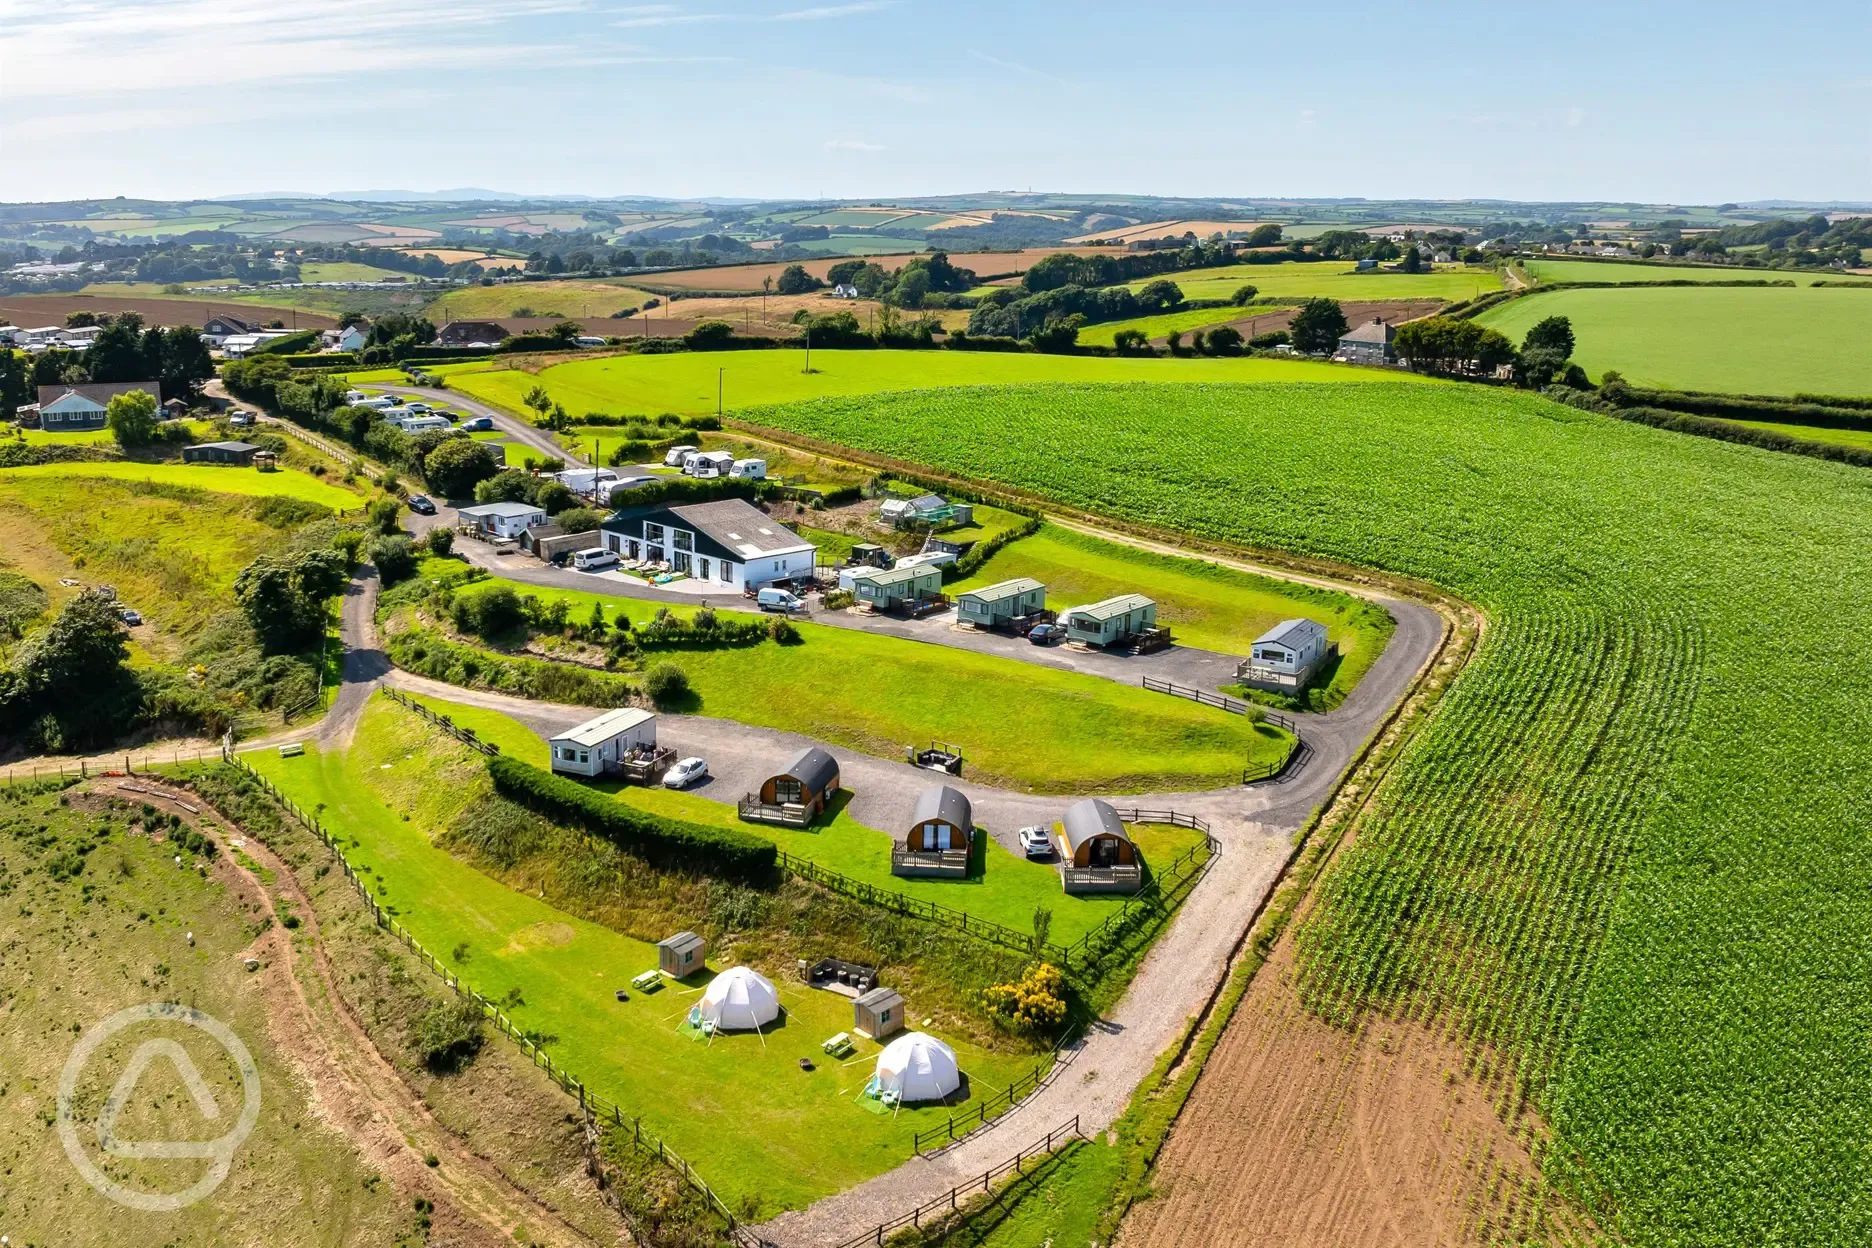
column 1712, row 427
column 664, row 842
column 1471, row 308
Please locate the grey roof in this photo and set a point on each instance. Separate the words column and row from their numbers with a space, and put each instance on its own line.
column 814, row 768
column 502, row 509
column 1371, row 331
column 944, row 805
column 739, row 526
column 902, row 574
column 1111, row 608
column 879, row 999
column 1293, row 633
column 1004, row 589
column 928, row 502
column 224, row 446
column 680, row 941
column 1089, row 818
column 99, row 392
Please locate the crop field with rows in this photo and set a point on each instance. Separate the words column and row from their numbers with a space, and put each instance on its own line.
column 1627, row 856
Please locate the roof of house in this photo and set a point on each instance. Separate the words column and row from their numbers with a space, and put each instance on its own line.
column 1089, row 818
column 1371, row 331
column 236, row 447
column 740, row 526
column 944, row 805
column 1111, row 608
column 879, row 999
column 814, row 768
column 1005, row 589
column 1292, row 633
column 478, row 331
column 502, row 510
column 680, row 941
column 902, row 574
column 598, row 731
column 240, row 326
column 99, row 392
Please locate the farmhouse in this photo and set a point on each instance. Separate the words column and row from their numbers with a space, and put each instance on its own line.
column 1112, row 621
column 942, row 826
column 63, row 408
column 729, row 542
column 501, row 519
column 1286, row 656
column 488, row 334
column 797, row 794
column 1099, row 856
column 1370, row 343
column 602, row 744
column 902, row 586
column 220, row 453
column 1000, row 604
column 352, row 338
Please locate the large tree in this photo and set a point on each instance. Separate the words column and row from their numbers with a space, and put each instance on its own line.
column 131, row 418
column 457, row 466
column 795, row 280
column 1555, row 333
column 284, row 596
column 69, row 685
column 1318, row 326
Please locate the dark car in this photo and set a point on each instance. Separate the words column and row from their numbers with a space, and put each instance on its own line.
column 1046, row 634
column 478, row 424
column 420, row 504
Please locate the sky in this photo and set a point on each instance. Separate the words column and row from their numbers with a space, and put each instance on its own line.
column 1661, row 101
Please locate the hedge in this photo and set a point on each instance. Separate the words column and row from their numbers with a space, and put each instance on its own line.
column 289, row 345
column 980, row 552
column 1709, row 427
column 724, row 852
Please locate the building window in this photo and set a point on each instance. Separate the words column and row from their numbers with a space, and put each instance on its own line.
column 727, row 572
column 788, row 791
column 680, row 561
column 636, row 549
column 682, row 539
column 702, row 568
column 653, row 534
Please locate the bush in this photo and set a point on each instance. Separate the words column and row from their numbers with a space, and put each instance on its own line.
column 666, row 684
column 782, row 630
column 447, row 1037
column 1035, row 1004
column 493, row 614
column 395, row 558
column 727, row 852
column 441, row 542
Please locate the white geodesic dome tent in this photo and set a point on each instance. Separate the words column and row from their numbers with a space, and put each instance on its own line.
column 917, row 1067
column 739, row 999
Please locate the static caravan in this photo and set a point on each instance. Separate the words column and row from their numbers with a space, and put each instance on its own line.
column 1000, row 604
column 599, row 744
column 749, row 469
column 883, row 590
column 502, row 519
column 1111, row 621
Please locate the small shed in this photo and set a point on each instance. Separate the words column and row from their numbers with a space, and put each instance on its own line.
column 175, row 409
column 1111, row 621
column 884, row 589
column 879, row 1013
column 680, row 956
column 1096, row 836
column 241, row 453
column 942, row 819
column 869, row 555
column 809, row 780
column 601, row 744
column 997, row 605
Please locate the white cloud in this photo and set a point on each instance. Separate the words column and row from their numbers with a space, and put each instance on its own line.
column 667, row 18
column 826, row 12
column 1574, row 116
column 853, row 145
column 1012, row 66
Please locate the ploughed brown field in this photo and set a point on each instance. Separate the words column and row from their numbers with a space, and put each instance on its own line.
column 986, row 264
column 32, row 311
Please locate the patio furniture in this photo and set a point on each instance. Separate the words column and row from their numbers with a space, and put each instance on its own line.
column 649, row 981
column 839, row 1046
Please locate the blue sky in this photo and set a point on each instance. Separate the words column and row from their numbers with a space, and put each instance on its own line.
column 796, row 98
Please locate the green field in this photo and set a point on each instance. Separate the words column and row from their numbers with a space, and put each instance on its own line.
column 214, row 478
column 652, row 384
column 740, row 1108
column 83, row 437
column 1752, row 341
column 1625, row 857
column 1859, row 439
column 1024, row 726
column 1165, row 323
column 1636, row 273
column 347, row 271
column 1303, row 279
column 581, row 299
column 1206, row 606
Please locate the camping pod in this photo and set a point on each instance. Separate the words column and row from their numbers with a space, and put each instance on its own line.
column 918, row 1067
column 739, row 999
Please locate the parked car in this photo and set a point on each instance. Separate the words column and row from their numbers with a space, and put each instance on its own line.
column 685, row 773
column 479, row 424
column 1037, row 842
column 594, row 560
column 420, row 504
column 240, row 419
column 1046, row 634
column 131, row 616
column 416, row 409
column 771, row 599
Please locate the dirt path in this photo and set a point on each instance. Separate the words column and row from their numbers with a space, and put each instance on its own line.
column 352, row 1087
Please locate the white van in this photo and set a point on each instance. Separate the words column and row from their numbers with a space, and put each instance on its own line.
column 778, row 600
column 673, row 458
column 354, row 397
column 595, row 559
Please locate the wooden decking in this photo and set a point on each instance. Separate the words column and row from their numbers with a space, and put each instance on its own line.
column 941, row 863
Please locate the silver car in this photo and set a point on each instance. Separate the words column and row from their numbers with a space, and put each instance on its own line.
column 685, row 773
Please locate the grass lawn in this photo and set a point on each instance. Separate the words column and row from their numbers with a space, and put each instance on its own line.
column 759, row 1129
column 392, row 375
column 685, row 382
column 1156, row 327
column 1860, row 439
column 1023, row 726
column 1638, row 273
column 1206, row 606
column 988, row 522
column 590, row 300
column 214, row 478
column 347, row 271
column 1752, row 341
column 1303, row 279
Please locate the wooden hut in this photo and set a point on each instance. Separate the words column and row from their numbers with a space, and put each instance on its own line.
column 942, row 825
column 796, row 795
column 879, row 1013
column 1099, row 856
column 680, row 956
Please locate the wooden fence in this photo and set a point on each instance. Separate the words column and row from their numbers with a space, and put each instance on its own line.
column 947, row 1208
column 961, row 1126
column 1235, row 706
column 465, row 735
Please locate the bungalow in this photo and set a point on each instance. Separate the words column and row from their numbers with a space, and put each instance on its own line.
column 729, row 542
column 1098, row 856
column 796, row 795
column 220, row 327
column 901, row 586
column 486, row 334
column 941, row 829
column 1000, row 604
column 63, row 409
column 844, row 290
column 1370, row 343
column 502, row 519
column 1112, row 621
column 602, row 744
column 241, row 453
column 351, row 338
column 1286, row 656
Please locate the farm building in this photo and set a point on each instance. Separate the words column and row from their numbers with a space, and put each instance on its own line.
column 729, row 542
column 885, row 590
column 1286, row 656
column 65, row 408
column 1111, row 621
column 502, row 519
column 878, row 1013
column 936, row 842
column 796, row 794
column 600, row 744
column 916, row 1067
column 680, row 956
column 1370, row 343
column 1099, row 856
column 241, row 453
column 998, row 605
